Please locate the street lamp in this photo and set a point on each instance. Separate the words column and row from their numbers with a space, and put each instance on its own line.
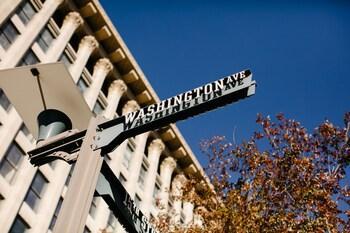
column 34, row 89
column 60, row 107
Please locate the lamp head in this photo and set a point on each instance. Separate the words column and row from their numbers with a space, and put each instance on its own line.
column 52, row 122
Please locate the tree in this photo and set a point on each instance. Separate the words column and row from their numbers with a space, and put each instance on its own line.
column 282, row 180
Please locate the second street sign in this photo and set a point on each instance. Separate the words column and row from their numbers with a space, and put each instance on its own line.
column 120, row 202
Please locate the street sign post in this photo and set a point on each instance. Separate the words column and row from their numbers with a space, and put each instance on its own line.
column 87, row 147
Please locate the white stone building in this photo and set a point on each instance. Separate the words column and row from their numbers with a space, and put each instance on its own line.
column 151, row 166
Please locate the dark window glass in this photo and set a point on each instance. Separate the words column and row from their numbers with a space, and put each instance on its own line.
column 93, row 207
column 26, row 132
column 98, row 108
column 127, row 155
column 29, row 59
column 156, row 192
column 8, row 34
column 11, row 161
column 36, row 190
column 26, row 12
column 65, row 59
column 4, row 101
column 142, row 176
column 70, row 174
column 182, row 218
column 19, row 226
column 82, row 85
column 45, row 39
column 55, row 215
column 1, row 200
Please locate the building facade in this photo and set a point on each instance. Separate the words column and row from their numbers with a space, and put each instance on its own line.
column 151, row 166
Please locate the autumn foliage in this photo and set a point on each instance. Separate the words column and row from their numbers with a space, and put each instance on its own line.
column 284, row 179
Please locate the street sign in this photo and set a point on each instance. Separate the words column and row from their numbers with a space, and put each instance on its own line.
column 120, row 202
column 193, row 102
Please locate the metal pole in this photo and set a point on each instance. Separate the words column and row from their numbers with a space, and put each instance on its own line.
column 75, row 208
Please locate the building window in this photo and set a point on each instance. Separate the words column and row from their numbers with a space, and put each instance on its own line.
column 19, row 226
column 26, row 132
column 65, row 59
column 70, row 174
column 26, row 12
column 182, row 218
column 156, row 192
column 82, row 85
column 36, row 190
column 93, row 207
column 127, row 155
column 170, row 203
column 98, row 108
column 142, row 176
column 11, row 161
column 45, row 39
column 111, row 223
column 4, row 101
column 55, row 214
column 8, row 34
column 1, row 200
column 29, row 59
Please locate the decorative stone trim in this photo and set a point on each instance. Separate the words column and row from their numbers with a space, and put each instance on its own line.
column 118, row 86
column 130, row 106
column 73, row 17
column 104, row 64
column 88, row 41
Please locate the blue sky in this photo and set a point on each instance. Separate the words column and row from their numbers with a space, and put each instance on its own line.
column 298, row 51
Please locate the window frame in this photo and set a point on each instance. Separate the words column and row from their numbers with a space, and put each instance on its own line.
column 55, row 214
column 126, row 159
column 38, row 194
column 4, row 98
column 22, row 12
column 14, row 166
column 143, row 174
column 40, row 40
column 23, row 61
column 4, row 33
column 22, row 221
